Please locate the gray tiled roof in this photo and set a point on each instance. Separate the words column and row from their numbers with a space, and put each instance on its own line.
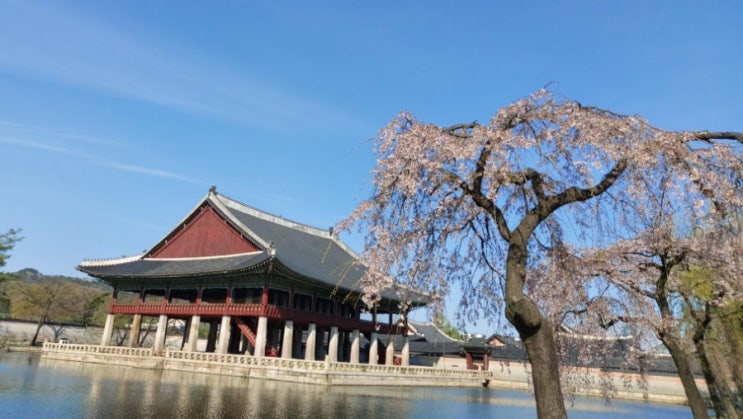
column 148, row 267
column 309, row 252
column 432, row 333
column 428, row 339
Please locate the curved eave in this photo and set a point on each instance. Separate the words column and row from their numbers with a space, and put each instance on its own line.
column 390, row 295
column 152, row 269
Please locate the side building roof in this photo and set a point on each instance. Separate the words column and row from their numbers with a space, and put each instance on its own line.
column 260, row 240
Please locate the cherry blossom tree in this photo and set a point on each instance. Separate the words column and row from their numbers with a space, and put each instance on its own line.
column 644, row 280
column 639, row 282
column 481, row 205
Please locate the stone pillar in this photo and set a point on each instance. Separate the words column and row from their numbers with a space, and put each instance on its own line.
column 355, row 347
column 389, row 356
column 193, row 333
column 108, row 329
column 405, row 353
column 287, row 340
column 309, row 350
column 134, row 330
column 162, row 326
column 297, row 343
column 224, row 335
column 260, row 339
column 211, row 341
column 333, row 345
column 373, row 349
column 186, row 328
column 345, row 352
column 320, row 351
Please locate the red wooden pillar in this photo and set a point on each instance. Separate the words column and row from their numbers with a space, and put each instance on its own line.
column 114, row 296
column 166, row 297
column 264, row 296
column 405, row 322
column 264, row 301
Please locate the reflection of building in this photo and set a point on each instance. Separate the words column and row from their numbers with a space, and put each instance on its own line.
column 262, row 284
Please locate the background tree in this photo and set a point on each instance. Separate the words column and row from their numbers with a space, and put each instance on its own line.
column 639, row 283
column 481, row 205
column 7, row 241
column 55, row 299
column 42, row 300
column 711, row 309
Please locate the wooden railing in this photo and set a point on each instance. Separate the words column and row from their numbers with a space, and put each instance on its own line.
column 250, row 310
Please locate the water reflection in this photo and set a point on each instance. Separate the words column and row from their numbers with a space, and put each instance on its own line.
column 33, row 388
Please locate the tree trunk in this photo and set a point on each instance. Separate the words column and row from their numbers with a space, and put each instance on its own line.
column 694, row 396
column 536, row 334
column 719, row 390
column 42, row 320
column 545, row 373
column 732, row 330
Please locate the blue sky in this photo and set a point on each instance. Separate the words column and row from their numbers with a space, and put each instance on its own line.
column 116, row 117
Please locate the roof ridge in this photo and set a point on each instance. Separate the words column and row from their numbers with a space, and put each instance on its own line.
column 110, row 262
column 234, row 255
column 240, row 206
column 432, row 324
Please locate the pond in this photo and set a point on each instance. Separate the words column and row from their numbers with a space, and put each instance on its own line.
column 35, row 388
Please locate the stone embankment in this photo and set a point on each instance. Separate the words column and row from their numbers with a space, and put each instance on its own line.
column 446, row 373
column 593, row 382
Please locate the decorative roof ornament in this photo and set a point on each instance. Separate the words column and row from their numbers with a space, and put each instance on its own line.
column 271, row 249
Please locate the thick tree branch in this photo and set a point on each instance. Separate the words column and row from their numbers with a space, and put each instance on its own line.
column 475, row 192
column 574, row 194
column 532, row 176
column 719, row 135
column 461, row 130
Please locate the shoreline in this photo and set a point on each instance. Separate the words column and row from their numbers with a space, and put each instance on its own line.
column 501, row 375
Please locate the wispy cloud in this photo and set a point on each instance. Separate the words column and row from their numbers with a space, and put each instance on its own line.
column 44, row 147
column 55, row 132
column 53, row 43
column 92, row 159
column 150, row 172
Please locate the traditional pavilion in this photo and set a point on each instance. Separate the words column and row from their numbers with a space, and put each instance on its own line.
column 264, row 285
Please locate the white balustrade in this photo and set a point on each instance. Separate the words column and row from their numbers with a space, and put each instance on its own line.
column 267, row 362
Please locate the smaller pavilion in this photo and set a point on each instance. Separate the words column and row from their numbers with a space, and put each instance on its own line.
column 264, row 285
